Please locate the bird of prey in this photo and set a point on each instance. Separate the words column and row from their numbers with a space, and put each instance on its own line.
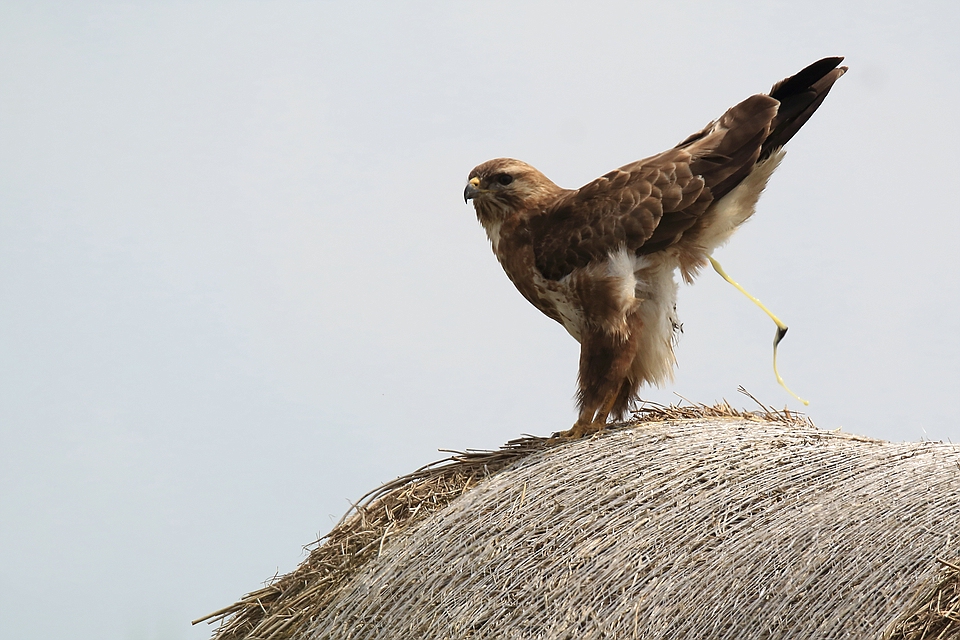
column 600, row 260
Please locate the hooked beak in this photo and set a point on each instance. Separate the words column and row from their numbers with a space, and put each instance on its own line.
column 472, row 190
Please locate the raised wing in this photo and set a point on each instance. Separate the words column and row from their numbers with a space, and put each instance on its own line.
column 646, row 206
column 650, row 201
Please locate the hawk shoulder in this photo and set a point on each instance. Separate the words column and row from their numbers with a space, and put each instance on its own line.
column 641, row 207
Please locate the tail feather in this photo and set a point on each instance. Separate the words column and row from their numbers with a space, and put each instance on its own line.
column 799, row 96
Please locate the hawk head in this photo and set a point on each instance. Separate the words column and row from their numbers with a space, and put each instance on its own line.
column 502, row 186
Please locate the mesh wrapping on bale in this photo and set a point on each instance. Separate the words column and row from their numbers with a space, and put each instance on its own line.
column 719, row 525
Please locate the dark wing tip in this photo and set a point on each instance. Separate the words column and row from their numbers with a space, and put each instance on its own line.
column 800, row 95
column 803, row 79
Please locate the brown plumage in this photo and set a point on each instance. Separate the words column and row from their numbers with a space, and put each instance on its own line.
column 600, row 259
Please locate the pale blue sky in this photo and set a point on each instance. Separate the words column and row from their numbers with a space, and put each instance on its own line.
column 239, row 285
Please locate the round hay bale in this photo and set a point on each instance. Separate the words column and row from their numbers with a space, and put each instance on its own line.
column 692, row 523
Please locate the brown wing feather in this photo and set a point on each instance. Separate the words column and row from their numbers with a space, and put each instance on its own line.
column 623, row 208
column 646, row 206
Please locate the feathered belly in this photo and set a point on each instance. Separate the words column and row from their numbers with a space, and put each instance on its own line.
column 609, row 295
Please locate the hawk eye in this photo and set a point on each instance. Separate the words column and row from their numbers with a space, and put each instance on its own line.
column 504, row 179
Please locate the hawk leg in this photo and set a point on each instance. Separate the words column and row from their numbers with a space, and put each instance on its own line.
column 607, row 406
column 590, row 421
column 605, row 360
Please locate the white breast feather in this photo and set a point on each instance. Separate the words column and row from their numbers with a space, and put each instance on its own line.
column 493, row 232
column 571, row 317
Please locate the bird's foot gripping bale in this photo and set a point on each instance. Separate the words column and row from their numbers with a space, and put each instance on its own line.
column 579, row 430
column 590, row 422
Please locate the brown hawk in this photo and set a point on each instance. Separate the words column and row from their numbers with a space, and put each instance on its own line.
column 600, row 259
